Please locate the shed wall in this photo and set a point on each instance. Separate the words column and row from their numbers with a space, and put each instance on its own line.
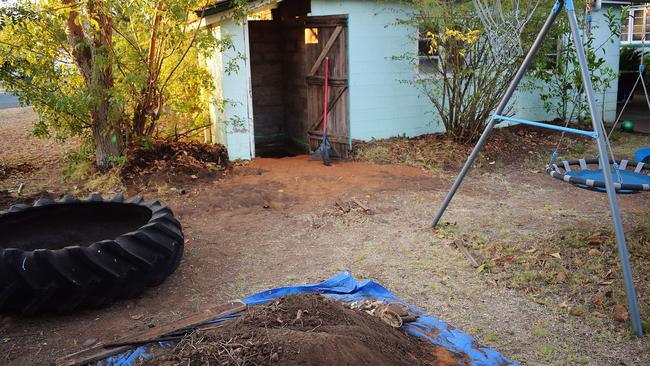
column 236, row 119
column 380, row 104
column 527, row 103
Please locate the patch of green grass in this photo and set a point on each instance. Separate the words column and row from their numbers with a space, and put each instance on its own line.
column 546, row 351
column 79, row 163
column 433, row 287
column 489, row 337
column 446, row 231
column 105, row 182
column 625, row 144
column 540, row 329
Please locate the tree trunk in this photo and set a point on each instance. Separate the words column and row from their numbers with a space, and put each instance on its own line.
column 143, row 109
column 98, row 76
column 107, row 138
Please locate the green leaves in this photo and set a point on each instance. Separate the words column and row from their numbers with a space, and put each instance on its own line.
column 460, row 76
column 40, row 64
column 561, row 79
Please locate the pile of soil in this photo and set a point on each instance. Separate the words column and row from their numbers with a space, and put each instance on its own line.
column 307, row 329
column 7, row 171
column 7, row 199
column 174, row 163
column 511, row 145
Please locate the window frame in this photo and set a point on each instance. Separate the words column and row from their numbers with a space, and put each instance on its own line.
column 422, row 73
column 627, row 37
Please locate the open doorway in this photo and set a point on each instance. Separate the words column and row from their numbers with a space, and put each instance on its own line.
column 286, row 56
column 634, row 80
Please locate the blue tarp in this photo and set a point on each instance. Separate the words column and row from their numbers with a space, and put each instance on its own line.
column 344, row 287
column 642, row 155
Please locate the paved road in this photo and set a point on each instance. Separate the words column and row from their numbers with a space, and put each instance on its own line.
column 8, row 101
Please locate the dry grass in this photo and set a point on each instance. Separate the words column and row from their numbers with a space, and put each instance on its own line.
column 517, row 145
column 574, row 268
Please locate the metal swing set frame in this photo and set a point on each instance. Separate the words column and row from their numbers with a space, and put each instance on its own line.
column 598, row 133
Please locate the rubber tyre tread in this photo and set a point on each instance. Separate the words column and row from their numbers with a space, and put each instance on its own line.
column 62, row 280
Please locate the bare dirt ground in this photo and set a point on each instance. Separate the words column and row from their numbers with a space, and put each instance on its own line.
column 275, row 222
column 39, row 161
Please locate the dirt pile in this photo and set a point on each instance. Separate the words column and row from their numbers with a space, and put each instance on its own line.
column 7, row 171
column 173, row 163
column 306, row 330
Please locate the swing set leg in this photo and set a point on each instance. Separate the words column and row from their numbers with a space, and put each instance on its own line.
column 500, row 108
column 602, row 147
column 596, row 120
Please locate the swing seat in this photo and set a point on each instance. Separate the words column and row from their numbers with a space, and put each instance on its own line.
column 643, row 155
column 588, row 174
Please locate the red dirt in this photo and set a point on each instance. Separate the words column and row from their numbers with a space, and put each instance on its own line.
column 307, row 330
column 281, row 183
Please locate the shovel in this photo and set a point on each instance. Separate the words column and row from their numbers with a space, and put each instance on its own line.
column 323, row 151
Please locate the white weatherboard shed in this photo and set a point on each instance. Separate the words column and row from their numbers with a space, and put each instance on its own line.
column 276, row 93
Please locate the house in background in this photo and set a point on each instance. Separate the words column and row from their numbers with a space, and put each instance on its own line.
column 274, row 101
column 635, row 32
column 635, row 36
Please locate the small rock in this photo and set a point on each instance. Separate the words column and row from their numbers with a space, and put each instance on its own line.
column 89, row 342
column 275, row 357
column 620, row 313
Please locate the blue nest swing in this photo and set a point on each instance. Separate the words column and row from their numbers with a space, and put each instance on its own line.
column 629, row 177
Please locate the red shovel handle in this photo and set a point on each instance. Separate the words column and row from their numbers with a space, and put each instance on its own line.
column 326, row 94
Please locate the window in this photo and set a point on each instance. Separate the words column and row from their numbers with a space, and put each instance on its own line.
column 636, row 28
column 428, row 59
column 311, row 35
column 553, row 56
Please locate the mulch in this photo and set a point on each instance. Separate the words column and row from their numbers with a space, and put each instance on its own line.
column 8, row 170
column 173, row 163
column 307, row 329
column 509, row 145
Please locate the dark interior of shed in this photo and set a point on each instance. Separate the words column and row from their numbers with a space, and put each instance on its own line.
column 278, row 70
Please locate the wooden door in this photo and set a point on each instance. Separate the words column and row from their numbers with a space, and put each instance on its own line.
column 327, row 36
